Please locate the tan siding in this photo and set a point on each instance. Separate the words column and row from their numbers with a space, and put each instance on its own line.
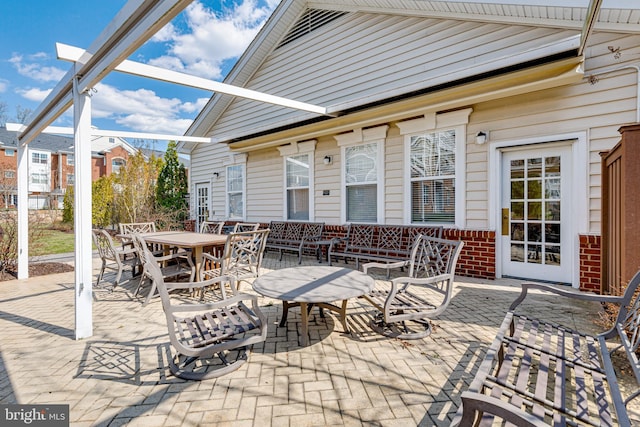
column 265, row 186
column 327, row 177
column 366, row 55
column 599, row 109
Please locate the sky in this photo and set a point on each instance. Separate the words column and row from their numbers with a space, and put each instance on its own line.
column 204, row 40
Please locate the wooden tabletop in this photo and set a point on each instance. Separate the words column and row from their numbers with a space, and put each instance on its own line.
column 184, row 239
column 313, row 284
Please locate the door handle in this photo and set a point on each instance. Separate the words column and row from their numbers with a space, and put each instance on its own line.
column 505, row 221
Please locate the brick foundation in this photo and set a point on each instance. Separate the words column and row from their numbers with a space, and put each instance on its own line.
column 590, row 263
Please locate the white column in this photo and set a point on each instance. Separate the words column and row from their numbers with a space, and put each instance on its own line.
column 23, row 211
column 82, row 212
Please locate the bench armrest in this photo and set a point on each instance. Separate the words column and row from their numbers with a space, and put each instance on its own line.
column 475, row 402
column 569, row 292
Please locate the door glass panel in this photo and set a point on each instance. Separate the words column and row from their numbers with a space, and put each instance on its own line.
column 535, row 210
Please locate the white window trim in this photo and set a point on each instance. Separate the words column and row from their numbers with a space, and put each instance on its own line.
column 10, row 150
column 235, row 160
column 361, row 136
column 292, row 149
column 434, row 122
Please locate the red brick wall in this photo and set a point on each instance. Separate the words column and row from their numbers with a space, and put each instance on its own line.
column 478, row 256
column 590, row 263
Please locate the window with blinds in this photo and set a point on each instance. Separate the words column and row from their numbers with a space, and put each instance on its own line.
column 361, row 180
column 432, row 157
column 235, row 191
column 297, row 181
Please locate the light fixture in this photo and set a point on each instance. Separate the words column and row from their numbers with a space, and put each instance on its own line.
column 481, row 138
column 327, row 160
column 216, row 175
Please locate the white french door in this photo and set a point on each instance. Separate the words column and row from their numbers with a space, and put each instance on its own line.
column 536, row 202
column 202, row 203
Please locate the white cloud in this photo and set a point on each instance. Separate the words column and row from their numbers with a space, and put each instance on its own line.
column 36, row 70
column 194, row 107
column 34, row 94
column 212, row 38
column 142, row 109
column 4, row 84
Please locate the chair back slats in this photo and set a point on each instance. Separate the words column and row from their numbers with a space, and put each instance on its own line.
column 137, row 227
column 241, row 227
column 213, row 227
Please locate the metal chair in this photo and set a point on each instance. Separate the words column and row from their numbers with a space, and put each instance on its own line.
column 240, row 227
column 410, row 301
column 172, row 265
column 213, row 227
column 199, row 331
column 241, row 256
column 137, row 227
column 112, row 257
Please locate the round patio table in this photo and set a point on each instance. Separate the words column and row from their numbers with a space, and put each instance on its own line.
column 305, row 287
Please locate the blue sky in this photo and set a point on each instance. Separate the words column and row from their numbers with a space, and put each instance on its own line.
column 205, row 40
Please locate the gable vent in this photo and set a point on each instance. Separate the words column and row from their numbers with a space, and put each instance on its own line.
column 310, row 21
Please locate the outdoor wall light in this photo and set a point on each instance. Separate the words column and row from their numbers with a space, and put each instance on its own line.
column 481, row 138
column 327, row 160
column 216, row 175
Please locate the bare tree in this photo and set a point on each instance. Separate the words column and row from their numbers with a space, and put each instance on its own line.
column 3, row 113
column 23, row 114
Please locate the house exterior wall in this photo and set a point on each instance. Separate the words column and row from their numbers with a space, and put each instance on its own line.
column 595, row 106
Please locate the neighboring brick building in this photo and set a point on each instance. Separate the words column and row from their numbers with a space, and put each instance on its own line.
column 52, row 166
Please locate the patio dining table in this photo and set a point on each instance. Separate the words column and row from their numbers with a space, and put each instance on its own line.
column 187, row 240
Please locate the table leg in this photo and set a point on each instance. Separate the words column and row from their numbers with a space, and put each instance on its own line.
column 343, row 316
column 285, row 313
column 305, row 324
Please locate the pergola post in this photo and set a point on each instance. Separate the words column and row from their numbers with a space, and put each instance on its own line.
column 82, row 212
column 23, row 211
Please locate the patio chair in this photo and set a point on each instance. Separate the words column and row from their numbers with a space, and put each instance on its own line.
column 407, row 303
column 112, row 257
column 240, row 227
column 137, row 227
column 199, row 331
column 173, row 265
column 241, row 256
column 213, row 227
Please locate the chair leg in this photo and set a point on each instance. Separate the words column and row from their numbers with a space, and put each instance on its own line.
column 178, row 369
column 101, row 273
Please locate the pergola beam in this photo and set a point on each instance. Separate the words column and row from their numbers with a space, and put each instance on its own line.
column 72, row 53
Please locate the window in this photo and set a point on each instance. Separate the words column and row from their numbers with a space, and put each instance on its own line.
column 361, row 182
column 434, row 185
column 9, row 152
column 112, row 140
column 71, row 179
column 116, row 164
column 9, row 174
column 363, row 174
column 39, row 178
column 39, row 158
column 235, row 191
column 71, row 159
column 297, row 186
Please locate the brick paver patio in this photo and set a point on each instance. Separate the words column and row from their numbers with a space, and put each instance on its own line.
column 119, row 376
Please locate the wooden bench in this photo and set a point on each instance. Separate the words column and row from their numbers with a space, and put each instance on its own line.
column 382, row 243
column 294, row 236
column 540, row 373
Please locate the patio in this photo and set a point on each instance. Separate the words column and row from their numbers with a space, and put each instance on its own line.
column 119, row 376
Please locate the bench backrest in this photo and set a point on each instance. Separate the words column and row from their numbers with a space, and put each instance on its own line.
column 386, row 239
column 295, row 230
column 137, row 227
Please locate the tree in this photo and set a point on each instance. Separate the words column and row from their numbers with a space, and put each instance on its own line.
column 134, row 189
column 172, row 187
column 67, row 206
column 102, row 202
column 23, row 114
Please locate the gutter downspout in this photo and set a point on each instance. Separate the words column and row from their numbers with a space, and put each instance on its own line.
column 589, row 23
column 625, row 67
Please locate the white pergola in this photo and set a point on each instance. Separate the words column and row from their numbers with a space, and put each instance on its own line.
column 137, row 22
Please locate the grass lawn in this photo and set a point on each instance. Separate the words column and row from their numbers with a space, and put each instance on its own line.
column 53, row 242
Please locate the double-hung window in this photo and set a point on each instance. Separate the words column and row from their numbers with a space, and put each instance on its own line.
column 433, row 177
column 39, row 158
column 298, row 179
column 435, row 168
column 363, row 174
column 361, row 182
column 297, row 182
